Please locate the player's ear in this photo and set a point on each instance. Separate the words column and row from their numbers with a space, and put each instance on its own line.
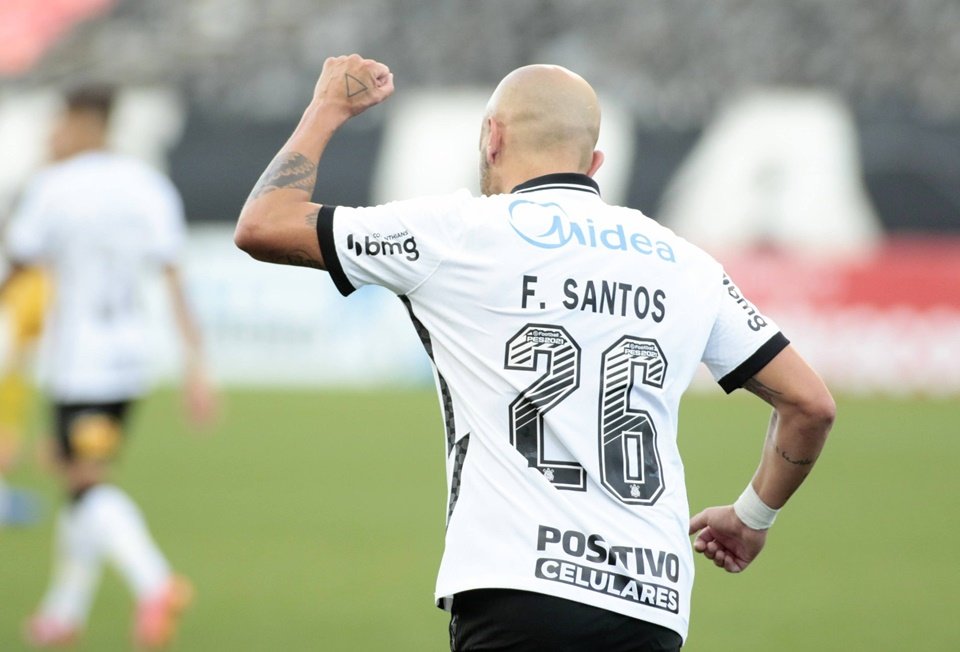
column 494, row 144
column 595, row 162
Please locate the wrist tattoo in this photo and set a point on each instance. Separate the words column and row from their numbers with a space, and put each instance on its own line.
column 805, row 461
column 287, row 170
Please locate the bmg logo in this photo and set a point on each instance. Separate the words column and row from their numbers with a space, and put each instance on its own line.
column 375, row 247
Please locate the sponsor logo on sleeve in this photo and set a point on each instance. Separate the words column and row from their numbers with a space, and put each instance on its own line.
column 547, row 226
column 755, row 321
column 394, row 244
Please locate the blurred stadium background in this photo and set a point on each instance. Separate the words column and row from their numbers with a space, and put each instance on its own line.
column 813, row 146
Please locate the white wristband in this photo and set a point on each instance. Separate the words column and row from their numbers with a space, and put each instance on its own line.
column 754, row 512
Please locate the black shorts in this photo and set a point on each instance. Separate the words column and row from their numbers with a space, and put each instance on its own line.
column 89, row 431
column 521, row 621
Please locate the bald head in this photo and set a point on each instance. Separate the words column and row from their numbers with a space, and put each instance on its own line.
column 545, row 118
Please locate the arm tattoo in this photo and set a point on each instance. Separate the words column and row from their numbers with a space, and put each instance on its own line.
column 287, row 170
column 312, row 217
column 806, row 461
column 297, row 257
column 763, row 391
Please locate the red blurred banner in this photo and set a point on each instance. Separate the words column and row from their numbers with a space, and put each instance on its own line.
column 887, row 321
column 28, row 28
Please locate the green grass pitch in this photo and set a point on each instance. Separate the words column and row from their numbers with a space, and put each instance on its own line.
column 314, row 521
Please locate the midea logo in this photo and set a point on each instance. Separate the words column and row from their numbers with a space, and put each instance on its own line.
column 548, row 226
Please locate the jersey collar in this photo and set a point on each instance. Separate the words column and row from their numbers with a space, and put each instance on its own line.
column 565, row 180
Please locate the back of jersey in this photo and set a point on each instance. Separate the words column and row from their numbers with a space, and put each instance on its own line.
column 97, row 220
column 563, row 331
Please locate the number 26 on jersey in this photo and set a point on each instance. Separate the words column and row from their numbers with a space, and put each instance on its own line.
column 626, row 436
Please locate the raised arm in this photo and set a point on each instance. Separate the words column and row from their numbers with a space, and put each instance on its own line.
column 278, row 221
column 803, row 413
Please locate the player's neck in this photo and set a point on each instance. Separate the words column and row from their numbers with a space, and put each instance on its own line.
column 522, row 176
column 86, row 148
column 525, row 168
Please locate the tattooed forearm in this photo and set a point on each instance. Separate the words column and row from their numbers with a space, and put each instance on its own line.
column 301, row 259
column 804, row 461
column 287, row 170
column 297, row 257
column 768, row 394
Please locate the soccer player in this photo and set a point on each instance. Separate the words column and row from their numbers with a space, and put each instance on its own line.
column 97, row 221
column 563, row 332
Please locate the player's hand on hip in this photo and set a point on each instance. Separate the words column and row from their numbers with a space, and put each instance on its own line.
column 353, row 84
column 725, row 539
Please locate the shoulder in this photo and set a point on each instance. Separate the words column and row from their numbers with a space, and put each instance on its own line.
column 647, row 234
column 97, row 165
column 417, row 210
column 430, row 203
column 48, row 177
column 136, row 167
column 143, row 178
column 45, row 187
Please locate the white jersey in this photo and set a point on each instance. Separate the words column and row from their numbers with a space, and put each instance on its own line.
column 563, row 332
column 96, row 221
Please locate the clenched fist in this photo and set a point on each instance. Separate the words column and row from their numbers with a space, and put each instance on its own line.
column 353, row 84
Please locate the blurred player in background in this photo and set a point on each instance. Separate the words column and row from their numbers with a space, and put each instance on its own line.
column 96, row 221
column 563, row 332
column 23, row 301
